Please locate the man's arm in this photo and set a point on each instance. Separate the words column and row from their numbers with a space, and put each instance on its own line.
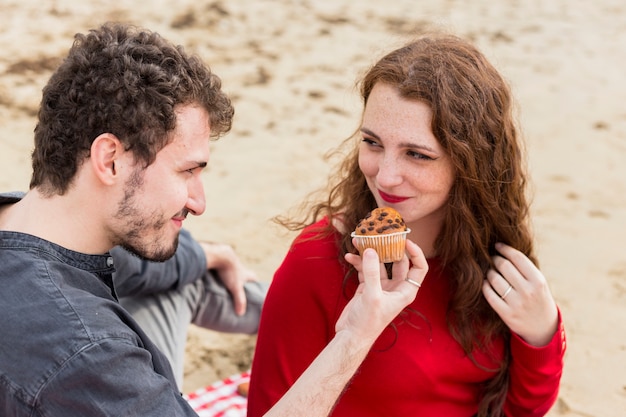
column 377, row 301
column 320, row 386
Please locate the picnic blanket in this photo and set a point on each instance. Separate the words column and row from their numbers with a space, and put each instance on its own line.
column 220, row 399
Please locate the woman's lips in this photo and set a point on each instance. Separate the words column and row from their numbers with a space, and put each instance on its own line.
column 389, row 198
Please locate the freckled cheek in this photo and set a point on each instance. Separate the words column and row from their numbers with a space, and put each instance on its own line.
column 441, row 182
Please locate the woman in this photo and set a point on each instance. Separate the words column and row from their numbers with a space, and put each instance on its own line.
column 438, row 142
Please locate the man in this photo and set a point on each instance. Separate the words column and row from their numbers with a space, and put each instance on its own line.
column 122, row 137
column 204, row 283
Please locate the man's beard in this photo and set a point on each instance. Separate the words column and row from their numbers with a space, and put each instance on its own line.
column 160, row 254
column 141, row 234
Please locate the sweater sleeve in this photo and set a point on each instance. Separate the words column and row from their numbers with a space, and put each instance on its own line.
column 135, row 276
column 298, row 316
column 535, row 375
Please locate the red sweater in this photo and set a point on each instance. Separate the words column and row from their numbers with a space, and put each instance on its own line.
column 418, row 369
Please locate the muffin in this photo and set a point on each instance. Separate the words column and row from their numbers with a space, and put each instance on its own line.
column 383, row 230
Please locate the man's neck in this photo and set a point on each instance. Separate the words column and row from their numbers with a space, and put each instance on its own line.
column 64, row 220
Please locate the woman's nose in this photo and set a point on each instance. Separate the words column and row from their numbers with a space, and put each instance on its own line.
column 389, row 172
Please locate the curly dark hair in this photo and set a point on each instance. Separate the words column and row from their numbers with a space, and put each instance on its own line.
column 473, row 119
column 123, row 80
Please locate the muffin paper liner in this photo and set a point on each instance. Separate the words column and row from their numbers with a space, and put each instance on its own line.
column 389, row 247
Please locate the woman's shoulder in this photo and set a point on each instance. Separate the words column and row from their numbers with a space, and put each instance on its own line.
column 314, row 254
column 321, row 230
column 319, row 240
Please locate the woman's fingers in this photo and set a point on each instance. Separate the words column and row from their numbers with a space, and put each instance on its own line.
column 518, row 292
column 515, row 262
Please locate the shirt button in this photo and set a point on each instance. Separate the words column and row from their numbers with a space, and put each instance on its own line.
column 110, row 261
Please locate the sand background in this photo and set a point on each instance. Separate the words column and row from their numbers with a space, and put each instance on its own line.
column 290, row 67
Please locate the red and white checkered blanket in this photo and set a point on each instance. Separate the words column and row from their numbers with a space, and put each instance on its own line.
column 220, row 399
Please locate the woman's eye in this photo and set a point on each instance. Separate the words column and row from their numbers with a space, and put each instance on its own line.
column 370, row 142
column 418, row 155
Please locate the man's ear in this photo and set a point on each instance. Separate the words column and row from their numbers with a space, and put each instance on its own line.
column 106, row 157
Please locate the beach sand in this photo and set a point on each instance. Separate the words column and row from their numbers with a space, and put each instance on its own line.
column 290, row 67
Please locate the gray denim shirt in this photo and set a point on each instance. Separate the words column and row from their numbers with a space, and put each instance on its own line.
column 67, row 348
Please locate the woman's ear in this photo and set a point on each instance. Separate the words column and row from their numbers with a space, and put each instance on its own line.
column 106, row 152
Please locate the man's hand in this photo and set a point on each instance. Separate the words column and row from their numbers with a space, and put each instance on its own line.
column 233, row 273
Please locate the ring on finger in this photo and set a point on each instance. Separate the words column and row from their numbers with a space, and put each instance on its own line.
column 508, row 290
column 410, row 281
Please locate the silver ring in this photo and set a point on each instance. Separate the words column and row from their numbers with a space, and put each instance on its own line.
column 410, row 281
column 508, row 290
